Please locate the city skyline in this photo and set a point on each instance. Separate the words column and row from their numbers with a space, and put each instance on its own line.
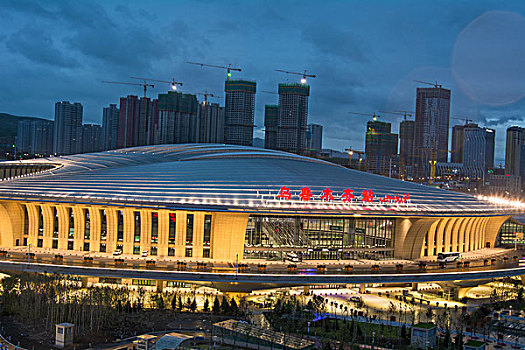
column 339, row 43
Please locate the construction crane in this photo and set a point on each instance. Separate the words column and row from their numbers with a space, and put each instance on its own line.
column 229, row 68
column 435, row 84
column 401, row 113
column 206, row 94
column 351, row 153
column 144, row 85
column 467, row 120
column 173, row 83
column 374, row 116
column 304, row 75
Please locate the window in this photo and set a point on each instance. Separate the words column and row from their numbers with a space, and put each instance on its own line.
column 207, row 230
column 172, row 228
column 189, row 252
column 71, row 231
column 40, row 243
column 120, row 247
column 120, row 226
column 205, row 253
column 154, row 227
column 25, row 241
column 26, row 221
column 153, row 251
column 70, row 245
column 136, row 215
column 171, row 251
column 40, row 221
column 189, row 229
column 55, row 222
column 103, row 225
column 86, row 247
column 55, row 244
column 102, row 247
column 136, row 250
column 87, row 224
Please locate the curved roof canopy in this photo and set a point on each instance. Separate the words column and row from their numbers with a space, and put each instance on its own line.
column 235, row 178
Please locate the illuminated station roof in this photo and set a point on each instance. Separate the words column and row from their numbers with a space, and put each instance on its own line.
column 232, row 178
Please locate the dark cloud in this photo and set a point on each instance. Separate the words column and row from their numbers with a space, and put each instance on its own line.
column 331, row 41
column 35, row 44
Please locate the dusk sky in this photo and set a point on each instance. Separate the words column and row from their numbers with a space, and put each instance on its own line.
column 365, row 54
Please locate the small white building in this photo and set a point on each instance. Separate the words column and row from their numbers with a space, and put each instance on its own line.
column 424, row 336
column 64, row 334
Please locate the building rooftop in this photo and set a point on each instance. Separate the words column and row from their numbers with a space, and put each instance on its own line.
column 234, row 178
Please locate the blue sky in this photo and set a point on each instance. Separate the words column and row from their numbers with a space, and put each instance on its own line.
column 365, row 54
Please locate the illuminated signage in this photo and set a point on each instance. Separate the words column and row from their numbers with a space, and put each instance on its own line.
column 347, row 196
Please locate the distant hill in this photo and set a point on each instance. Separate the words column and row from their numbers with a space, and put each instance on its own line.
column 9, row 124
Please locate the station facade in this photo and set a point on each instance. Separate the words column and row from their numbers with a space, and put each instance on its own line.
column 232, row 203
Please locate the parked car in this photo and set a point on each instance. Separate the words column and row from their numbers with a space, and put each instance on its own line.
column 117, row 252
column 144, row 253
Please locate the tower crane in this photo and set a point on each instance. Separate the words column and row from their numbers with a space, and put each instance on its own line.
column 304, row 75
column 467, row 120
column 374, row 116
column 435, row 84
column 206, row 94
column 401, row 113
column 229, row 68
column 144, row 85
column 173, row 82
column 351, row 152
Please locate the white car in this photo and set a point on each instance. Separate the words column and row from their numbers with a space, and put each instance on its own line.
column 144, row 253
column 117, row 252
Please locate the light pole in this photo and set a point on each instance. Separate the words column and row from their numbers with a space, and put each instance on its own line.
column 373, row 340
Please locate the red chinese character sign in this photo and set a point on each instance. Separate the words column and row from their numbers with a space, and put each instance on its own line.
column 306, row 194
column 346, row 196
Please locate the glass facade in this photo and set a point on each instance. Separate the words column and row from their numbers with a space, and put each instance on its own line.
column 103, row 225
column 120, row 225
column 87, row 224
column 172, row 229
column 40, row 221
column 511, row 232
column 189, row 229
column 154, row 227
column 319, row 238
column 71, row 229
column 136, row 236
column 55, row 222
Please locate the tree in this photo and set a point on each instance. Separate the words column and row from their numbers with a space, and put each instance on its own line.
column 234, row 309
column 403, row 332
column 206, row 307
column 193, row 305
column 174, row 303
column 216, row 308
column 225, row 305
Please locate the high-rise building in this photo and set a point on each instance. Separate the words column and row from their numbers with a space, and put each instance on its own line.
column 35, row 136
column 293, row 117
column 128, row 120
column 23, row 136
column 138, row 119
column 406, row 143
column 271, row 125
column 239, row 110
column 478, row 147
column 110, row 120
column 380, row 147
column 431, row 128
column 91, row 138
column 458, row 138
column 210, row 123
column 178, row 118
column 68, row 128
column 515, row 138
column 314, row 137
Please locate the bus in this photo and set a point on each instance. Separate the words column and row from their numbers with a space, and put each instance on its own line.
column 448, row 257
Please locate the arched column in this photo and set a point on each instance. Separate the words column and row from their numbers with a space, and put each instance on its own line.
column 413, row 243
column 448, row 233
